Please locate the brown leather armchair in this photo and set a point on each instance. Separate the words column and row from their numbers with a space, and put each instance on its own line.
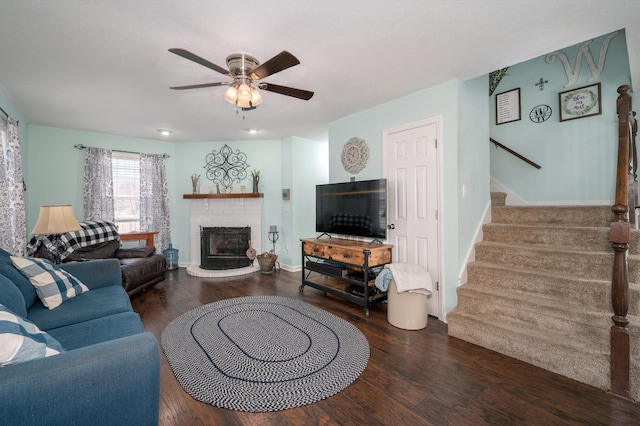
column 141, row 267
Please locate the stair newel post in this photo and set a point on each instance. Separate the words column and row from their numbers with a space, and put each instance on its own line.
column 620, row 237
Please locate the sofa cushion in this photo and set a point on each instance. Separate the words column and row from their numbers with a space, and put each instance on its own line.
column 11, row 297
column 104, row 250
column 94, row 304
column 21, row 340
column 135, row 252
column 53, row 285
column 97, row 330
column 8, row 270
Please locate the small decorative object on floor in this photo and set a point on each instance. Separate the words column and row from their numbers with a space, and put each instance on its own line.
column 256, row 180
column 267, row 261
column 194, row 181
column 251, row 253
column 263, row 353
column 171, row 255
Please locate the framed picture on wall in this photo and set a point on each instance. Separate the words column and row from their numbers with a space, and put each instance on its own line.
column 508, row 106
column 579, row 103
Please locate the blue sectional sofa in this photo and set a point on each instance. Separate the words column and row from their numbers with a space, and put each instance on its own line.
column 109, row 370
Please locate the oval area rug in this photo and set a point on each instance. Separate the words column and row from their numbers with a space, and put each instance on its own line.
column 263, row 353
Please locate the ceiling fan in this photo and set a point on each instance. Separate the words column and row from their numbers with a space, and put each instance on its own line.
column 246, row 73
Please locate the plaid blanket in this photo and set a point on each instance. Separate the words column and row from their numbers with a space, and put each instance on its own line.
column 92, row 232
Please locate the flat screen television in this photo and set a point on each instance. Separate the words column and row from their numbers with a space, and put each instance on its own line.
column 356, row 208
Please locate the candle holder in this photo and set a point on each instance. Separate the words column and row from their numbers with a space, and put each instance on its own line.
column 273, row 237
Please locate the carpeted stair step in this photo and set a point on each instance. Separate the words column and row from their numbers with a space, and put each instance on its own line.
column 579, row 238
column 591, row 328
column 569, row 289
column 554, row 215
column 579, row 264
column 498, row 199
column 547, row 350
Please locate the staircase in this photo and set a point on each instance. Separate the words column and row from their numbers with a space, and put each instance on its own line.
column 539, row 290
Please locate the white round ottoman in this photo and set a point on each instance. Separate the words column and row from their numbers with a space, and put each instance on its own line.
column 406, row 310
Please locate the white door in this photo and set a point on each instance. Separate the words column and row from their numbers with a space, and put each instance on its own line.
column 411, row 169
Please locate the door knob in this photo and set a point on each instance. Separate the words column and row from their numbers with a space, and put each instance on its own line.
column 391, row 226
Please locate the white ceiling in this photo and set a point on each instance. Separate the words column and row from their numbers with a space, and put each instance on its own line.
column 103, row 65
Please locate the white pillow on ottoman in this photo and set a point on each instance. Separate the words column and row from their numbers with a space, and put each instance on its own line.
column 21, row 340
column 53, row 285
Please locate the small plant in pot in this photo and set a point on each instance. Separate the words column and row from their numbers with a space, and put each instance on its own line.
column 267, row 262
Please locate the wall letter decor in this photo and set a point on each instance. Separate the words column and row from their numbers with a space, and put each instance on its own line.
column 572, row 75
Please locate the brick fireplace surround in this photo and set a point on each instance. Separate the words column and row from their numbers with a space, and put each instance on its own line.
column 232, row 210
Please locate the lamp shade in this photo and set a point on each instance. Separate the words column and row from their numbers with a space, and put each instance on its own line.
column 56, row 220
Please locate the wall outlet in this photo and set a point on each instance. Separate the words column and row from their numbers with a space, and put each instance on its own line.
column 465, row 191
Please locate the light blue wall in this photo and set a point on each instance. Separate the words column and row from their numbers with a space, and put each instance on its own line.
column 56, row 174
column 305, row 165
column 462, row 128
column 473, row 162
column 578, row 157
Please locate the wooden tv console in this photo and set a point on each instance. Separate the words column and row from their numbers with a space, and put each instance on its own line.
column 333, row 265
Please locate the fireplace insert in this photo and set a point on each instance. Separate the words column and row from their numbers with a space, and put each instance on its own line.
column 224, row 247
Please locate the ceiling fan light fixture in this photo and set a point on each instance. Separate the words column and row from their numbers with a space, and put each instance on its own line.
column 231, row 95
column 244, row 96
column 256, row 97
column 246, row 71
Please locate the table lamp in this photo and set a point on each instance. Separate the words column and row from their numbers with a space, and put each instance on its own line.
column 55, row 221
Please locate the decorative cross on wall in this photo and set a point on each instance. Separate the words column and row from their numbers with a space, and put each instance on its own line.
column 541, row 83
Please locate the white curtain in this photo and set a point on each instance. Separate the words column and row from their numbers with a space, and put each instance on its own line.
column 13, row 228
column 98, row 185
column 154, row 199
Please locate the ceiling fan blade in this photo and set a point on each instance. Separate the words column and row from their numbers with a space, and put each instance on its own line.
column 197, row 59
column 281, row 61
column 197, row 86
column 288, row 91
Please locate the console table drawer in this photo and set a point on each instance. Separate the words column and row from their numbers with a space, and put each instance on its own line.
column 338, row 253
column 345, row 253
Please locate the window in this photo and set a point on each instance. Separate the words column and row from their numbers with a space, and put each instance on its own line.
column 126, row 191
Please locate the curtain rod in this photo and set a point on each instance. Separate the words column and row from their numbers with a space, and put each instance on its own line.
column 7, row 114
column 81, row 147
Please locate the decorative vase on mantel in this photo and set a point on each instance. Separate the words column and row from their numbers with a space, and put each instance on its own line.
column 194, row 181
column 256, row 180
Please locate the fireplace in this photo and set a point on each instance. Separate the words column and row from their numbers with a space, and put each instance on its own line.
column 224, row 247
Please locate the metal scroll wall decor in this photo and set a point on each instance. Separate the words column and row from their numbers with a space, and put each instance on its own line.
column 226, row 166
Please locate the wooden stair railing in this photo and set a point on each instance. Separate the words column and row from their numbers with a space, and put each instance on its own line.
column 510, row 151
column 633, row 171
column 620, row 235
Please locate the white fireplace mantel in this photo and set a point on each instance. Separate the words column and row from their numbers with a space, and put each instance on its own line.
column 233, row 210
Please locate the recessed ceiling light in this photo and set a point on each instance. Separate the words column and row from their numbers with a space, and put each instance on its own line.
column 164, row 132
column 253, row 131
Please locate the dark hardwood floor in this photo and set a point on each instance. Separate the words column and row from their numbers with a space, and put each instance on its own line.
column 419, row 377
